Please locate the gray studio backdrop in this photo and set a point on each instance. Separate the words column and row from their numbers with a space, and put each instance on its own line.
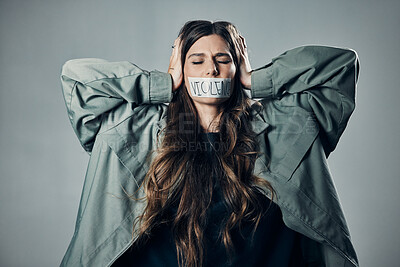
column 42, row 165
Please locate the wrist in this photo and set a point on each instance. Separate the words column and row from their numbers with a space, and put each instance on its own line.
column 176, row 81
column 246, row 80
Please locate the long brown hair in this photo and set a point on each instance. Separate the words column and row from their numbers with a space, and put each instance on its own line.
column 180, row 175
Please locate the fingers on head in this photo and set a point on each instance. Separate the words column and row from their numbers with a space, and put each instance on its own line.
column 177, row 41
column 243, row 41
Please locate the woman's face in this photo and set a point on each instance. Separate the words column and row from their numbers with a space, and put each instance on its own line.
column 209, row 57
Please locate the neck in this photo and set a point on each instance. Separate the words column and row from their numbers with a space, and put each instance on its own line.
column 209, row 116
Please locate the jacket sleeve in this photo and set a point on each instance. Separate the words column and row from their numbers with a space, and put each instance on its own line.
column 319, row 79
column 97, row 90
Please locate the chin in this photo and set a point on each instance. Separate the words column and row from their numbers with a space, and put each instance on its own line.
column 209, row 100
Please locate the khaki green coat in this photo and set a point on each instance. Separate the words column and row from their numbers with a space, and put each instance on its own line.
column 117, row 110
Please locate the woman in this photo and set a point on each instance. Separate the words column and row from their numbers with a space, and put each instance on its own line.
column 213, row 178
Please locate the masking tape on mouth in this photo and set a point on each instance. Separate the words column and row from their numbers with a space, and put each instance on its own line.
column 210, row 87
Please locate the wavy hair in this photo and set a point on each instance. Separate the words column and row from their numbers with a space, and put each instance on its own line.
column 181, row 166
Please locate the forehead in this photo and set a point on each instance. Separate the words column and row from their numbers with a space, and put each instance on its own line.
column 211, row 43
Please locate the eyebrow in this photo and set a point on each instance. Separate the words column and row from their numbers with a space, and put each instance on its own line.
column 202, row 54
column 222, row 55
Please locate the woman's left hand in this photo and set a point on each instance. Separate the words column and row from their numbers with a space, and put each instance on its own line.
column 245, row 67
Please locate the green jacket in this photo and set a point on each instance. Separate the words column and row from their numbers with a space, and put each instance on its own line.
column 117, row 110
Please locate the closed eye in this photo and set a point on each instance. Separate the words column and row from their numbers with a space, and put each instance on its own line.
column 197, row 62
column 224, row 62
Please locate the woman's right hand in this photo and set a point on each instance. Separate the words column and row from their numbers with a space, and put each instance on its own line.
column 245, row 67
column 175, row 65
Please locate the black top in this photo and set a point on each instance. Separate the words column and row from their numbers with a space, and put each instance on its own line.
column 274, row 244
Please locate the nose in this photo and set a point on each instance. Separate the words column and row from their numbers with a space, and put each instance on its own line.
column 212, row 69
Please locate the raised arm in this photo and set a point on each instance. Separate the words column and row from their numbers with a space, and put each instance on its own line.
column 320, row 79
column 96, row 90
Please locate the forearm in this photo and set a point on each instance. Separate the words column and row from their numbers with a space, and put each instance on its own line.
column 122, row 80
column 306, row 67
